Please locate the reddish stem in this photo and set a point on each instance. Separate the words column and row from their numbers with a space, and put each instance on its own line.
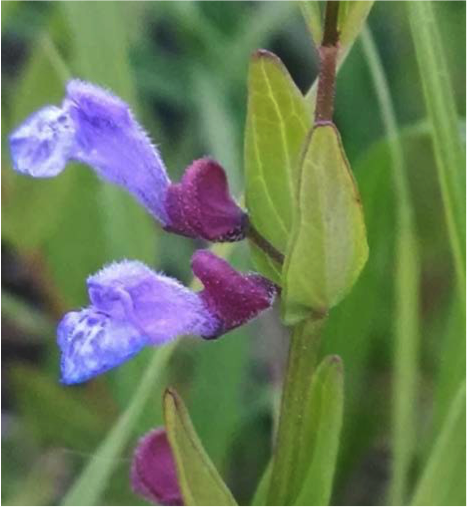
column 328, row 63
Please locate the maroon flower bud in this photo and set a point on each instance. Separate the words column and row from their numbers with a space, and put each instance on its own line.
column 153, row 470
column 233, row 297
column 201, row 204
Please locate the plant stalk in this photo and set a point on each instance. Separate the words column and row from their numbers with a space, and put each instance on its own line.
column 328, row 64
column 303, row 353
column 261, row 242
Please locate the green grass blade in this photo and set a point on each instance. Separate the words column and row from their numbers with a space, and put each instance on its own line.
column 91, row 484
column 443, row 480
column 451, row 367
column 407, row 278
column 440, row 103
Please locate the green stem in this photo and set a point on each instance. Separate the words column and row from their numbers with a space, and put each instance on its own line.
column 289, row 465
column 407, row 279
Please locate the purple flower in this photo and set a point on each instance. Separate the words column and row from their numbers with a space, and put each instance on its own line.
column 153, row 470
column 132, row 307
column 97, row 128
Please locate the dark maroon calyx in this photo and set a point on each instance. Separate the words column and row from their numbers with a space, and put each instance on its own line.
column 234, row 298
column 201, row 204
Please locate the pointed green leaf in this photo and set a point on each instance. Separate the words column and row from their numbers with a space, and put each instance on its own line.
column 276, row 127
column 200, row 482
column 443, row 480
column 324, row 416
column 328, row 247
column 352, row 17
column 312, row 14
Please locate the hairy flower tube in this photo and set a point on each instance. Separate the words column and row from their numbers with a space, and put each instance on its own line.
column 94, row 127
column 153, row 470
column 131, row 307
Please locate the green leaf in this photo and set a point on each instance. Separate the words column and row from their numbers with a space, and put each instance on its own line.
column 351, row 22
column 328, row 247
column 276, row 127
column 352, row 17
column 312, row 14
column 199, row 481
column 261, row 493
column 443, row 480
column 324, row 414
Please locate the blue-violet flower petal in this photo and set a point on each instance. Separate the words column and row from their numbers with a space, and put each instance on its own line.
column 94, row 127
column 131, row 307
column 91, row 343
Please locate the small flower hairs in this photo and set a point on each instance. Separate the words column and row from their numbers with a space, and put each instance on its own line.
column 132, row 306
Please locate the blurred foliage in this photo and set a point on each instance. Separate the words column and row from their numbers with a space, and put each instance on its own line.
column 183, row 66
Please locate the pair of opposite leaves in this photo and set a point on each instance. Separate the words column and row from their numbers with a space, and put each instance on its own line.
column 300, row 195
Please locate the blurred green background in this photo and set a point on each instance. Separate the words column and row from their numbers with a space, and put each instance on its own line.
column 183, row 67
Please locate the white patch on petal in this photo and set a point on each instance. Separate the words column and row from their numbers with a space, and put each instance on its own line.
column 42, row 145
column 92, row 343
